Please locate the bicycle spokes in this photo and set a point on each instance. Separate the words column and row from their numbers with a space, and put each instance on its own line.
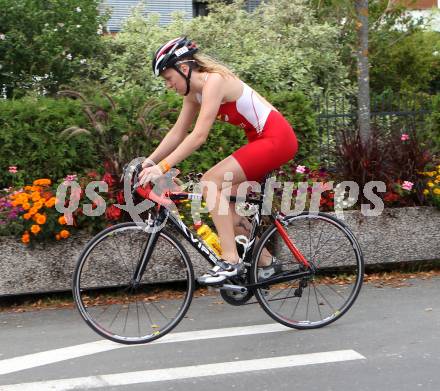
column 126, row 296
column 307, row 298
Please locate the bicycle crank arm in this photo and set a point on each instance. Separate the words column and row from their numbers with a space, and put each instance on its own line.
column 282, row 278
column 234, row 288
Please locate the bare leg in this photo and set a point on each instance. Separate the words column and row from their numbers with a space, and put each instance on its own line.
column 243, row 226
column 219, row 205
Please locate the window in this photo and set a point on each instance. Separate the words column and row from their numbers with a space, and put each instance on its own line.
column 199, row 8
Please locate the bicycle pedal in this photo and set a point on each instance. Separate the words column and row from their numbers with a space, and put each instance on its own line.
column 234, row 288
column 298, row 292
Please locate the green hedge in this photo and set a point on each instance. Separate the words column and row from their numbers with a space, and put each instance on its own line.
column 29, row 139
column 30, row 133
column 298, row 110
column 225, row 139
column 432, row 130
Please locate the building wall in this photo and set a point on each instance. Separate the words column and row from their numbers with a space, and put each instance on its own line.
column 422, row 4
column 252, row 4
column 121, row 9
column 419, row 4
column 428, row 10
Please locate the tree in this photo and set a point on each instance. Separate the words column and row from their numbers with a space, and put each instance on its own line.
column 44, row 43
column 361, row 7
column 353, row 17
column 279, row 47
column 402, row 54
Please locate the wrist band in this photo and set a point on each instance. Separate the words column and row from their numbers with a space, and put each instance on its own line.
column 164, row 166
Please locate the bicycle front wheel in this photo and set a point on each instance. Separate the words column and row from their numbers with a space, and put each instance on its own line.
column 116, row 307
column 326, row 294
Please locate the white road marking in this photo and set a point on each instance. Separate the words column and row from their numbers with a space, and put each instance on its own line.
column 16, row 364
column 195, row 371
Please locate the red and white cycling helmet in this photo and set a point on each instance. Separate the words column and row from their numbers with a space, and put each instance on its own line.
column 172, row 52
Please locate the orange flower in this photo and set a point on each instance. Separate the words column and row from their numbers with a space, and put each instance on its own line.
column 15, row 203
column 26, row 206
column 35, row 229
column 64, row 234
column 42, row 182
column 17, row 195
column 23, row 199
column 33, row 210
column 28, row 188
column 27, row 216
column 35, row 196
column 38, row 205
column 50, row 203
column 57, row 237
column 25, row 238
column 41, row 219
column 62, row 220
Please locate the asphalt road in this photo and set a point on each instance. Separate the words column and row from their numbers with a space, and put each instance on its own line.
column 389, row 340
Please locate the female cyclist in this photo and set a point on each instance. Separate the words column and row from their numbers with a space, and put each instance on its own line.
column 211, row 91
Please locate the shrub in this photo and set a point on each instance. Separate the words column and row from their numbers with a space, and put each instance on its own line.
column 224, row 139
column 392, row 157
column 402, row 54
column 298, row 110
column 405, row 61
column 269, row 49
column 121, row 129
column 432, row 128
column 32, row 214
column 29, row 130
column 45, row 43
column 315, row 177
column 431, row 189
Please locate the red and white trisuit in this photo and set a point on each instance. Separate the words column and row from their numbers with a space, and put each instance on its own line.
column 272, row 141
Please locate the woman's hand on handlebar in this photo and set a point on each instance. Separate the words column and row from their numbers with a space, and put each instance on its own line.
column 149, row 173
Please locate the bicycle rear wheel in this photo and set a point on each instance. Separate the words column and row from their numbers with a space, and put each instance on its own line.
column 324, row 296
column 120, row 310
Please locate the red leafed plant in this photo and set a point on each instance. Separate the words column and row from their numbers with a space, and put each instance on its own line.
column 392, row 156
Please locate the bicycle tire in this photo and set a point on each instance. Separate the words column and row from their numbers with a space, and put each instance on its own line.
column 101, row 282
column 330, row 277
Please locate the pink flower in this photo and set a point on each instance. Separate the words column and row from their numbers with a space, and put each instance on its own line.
column 301, row 169
column 70, row 178
column 13, row 169
column 407, row 185
column 404, row 137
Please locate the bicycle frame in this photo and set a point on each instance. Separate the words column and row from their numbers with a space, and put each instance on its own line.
column 208, row 253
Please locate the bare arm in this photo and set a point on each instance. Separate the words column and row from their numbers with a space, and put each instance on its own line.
column 177, row 133
column 212, row 97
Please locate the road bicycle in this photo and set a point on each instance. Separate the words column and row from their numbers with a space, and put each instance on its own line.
column 134, row 282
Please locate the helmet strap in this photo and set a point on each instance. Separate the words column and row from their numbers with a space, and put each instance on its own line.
column 187, row 78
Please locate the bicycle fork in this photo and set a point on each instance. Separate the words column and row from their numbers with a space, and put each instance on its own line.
column 147, row 251
column 144, row 258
